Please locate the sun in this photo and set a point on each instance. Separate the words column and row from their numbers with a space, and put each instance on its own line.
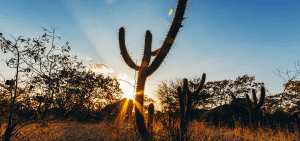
column 126, row 87
column 128, row 95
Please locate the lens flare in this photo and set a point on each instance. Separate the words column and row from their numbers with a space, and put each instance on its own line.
column 170, row 12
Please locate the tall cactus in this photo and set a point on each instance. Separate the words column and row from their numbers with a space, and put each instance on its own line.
column 185, row 102
column 150, row 117
column 146, row 69
column 252, row 107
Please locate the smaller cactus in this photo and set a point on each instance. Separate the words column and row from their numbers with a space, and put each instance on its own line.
column 185, row 102
column 150, row 117
column 252, row 107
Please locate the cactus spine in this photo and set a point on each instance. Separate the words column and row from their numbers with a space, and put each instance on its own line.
column 150, row 117
column 145, row 70
column 252, row 107
column 185, row 103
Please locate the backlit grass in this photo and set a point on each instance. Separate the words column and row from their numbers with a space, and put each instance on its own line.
column 85, row 131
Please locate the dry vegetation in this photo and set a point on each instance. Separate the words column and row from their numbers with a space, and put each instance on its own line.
column 70, row 93
column 87, row 131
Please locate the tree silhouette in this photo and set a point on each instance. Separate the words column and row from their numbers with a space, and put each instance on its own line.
column 214, row 93
column 80, row 89
column 293, row 86
column 49, row 80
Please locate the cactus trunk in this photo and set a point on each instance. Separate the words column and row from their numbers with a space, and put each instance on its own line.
column 139, row 107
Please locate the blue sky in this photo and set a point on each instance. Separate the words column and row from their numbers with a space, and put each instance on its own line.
column 224, row 39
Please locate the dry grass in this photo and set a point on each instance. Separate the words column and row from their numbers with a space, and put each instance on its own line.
column 74, row 131
column 199, row 132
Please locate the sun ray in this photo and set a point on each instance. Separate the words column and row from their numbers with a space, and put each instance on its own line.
column 125, row 111
column 122, row 114
column 139, row 107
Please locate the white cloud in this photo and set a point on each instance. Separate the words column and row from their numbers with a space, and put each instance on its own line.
column 88, row 59
column 99, row 68
column 122, row 76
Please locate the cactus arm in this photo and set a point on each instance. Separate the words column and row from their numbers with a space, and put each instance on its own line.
column 185, row 85
column 180, row 94
column 182, row 106
column 254, row 97
column 201, row 84
column 123, row 50
column 249, row 102
column 188, row 104
column 179, row 91
column 181, row 102
column 237, row 101
column 169, row 40
column 147, row 50
column 262, row 98
column 189, row 94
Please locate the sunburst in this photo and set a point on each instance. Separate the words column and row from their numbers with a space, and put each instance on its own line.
column 127, row 88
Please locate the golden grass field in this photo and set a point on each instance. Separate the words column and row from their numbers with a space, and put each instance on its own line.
column 74, row 131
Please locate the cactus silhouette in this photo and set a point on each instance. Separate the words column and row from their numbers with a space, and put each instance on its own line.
column 150, row 117
column 185, row 102
column 146, row 69
column 252, row 107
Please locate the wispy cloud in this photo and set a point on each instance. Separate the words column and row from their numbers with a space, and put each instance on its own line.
column 99, row 68
column 110, row 1
column 88, row 59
